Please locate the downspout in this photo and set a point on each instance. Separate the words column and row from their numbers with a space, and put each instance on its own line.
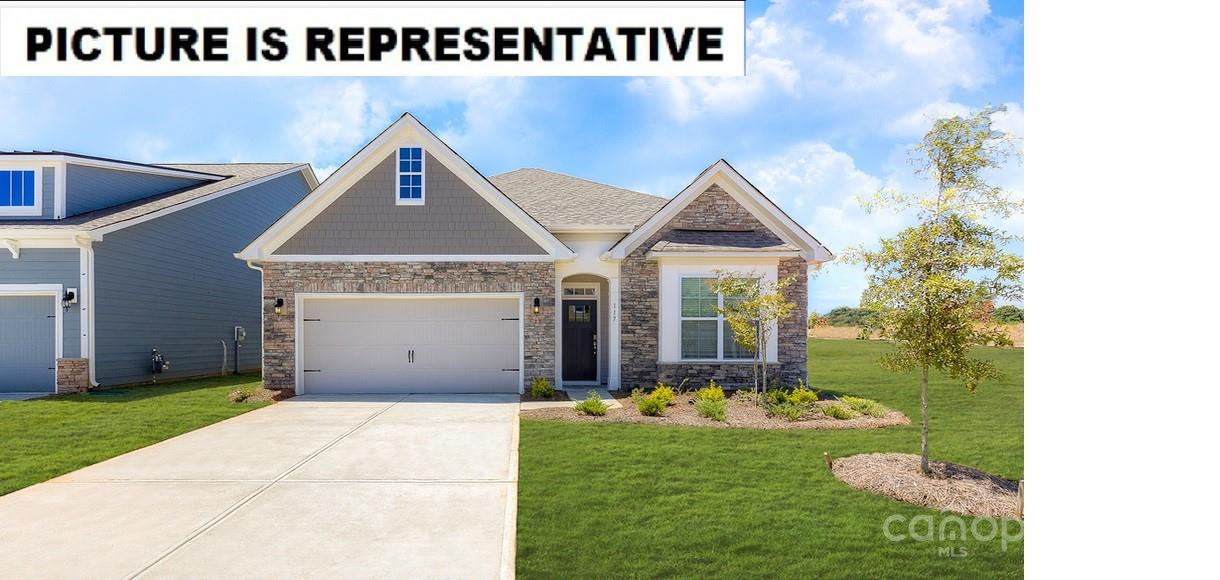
column 262, row 314
column 88, row 306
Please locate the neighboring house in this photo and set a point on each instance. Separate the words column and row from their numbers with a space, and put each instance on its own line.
column 407, row 270
column 101, row 261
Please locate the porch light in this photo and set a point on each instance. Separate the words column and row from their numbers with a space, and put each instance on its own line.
column 69, row 298
column 537, row 305
column 279, row 305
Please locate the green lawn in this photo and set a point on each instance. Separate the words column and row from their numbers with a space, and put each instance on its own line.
column 641, row 501
column 45, row 438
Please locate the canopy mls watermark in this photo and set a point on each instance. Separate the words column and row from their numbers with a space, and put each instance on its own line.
column 432, row 39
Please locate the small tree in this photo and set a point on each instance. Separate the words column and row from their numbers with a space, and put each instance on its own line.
column 932, row 285
column 816, row 321
column 750, row 307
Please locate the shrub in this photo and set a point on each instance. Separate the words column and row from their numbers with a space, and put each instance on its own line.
column 866, row 406
column 789, row 411
column 777, row 396
column 542, row 389
column 802, row 395
column 592, row 405
column 637, row 394
column 847, row 316
column 663, row 393
column 715, row 409
column 1008, row 314
column 651, row 406
column 712, row 392
column 839, row 411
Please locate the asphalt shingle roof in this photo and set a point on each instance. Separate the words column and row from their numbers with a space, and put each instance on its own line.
column 237, row 174
column 558, row 200
column 721, row 241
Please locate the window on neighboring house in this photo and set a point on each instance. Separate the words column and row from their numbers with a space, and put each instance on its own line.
column 17, row 188
column 410, row 176
column 705, row 334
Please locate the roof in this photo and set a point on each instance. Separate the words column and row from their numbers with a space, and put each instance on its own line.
column 721, row 241
column 561, row 201
column 203, row 173
column 237, row 174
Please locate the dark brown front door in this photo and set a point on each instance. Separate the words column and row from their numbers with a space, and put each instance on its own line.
column 580, row 340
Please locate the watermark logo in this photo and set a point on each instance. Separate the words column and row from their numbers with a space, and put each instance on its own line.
column 947, row 528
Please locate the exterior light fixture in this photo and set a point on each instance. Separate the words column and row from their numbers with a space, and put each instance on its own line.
column 69, row 298
column 279, row 305
column 537, row 305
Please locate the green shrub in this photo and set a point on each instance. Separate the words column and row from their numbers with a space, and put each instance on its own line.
column 839, row 411
column 789, row 411
column 802, row 395
column 712, row 392
column 542, row 389
column 847, row 316
column 663, row 393
column 777, row 396
column 592, row 405
column 1008, row 314
column 651, row 406
column 715, row 409
column 865, row 406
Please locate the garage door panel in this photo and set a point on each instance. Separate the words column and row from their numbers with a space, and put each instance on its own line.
column 361, row 345
column 27, row 344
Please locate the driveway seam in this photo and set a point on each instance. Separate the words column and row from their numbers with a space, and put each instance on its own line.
column 215, row 521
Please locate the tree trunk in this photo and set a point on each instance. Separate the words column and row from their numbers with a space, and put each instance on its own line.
column 923, row 435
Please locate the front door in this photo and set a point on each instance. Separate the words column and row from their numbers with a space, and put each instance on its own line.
column 580, row 340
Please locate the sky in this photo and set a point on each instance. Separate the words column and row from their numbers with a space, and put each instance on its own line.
column 835, row 95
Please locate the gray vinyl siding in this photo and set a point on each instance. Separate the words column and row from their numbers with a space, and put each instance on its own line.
column 48, row 196
column 172, row 283
column 49, row 266
column 93, row 188
column 366, row 219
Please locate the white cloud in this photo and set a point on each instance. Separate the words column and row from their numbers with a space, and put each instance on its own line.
column 858, row 53
column 335, row 119
column 916, row 123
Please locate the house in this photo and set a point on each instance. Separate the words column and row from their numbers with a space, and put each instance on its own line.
column 407, row 270
column 102, row 261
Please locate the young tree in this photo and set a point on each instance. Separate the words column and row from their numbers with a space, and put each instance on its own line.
column 750, row 308
column 932, row 285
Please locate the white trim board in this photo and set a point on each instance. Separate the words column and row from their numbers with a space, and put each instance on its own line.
column 406, row 129
column 113, row 164
column 742, row 191
column 25, row 210
column 298, row 310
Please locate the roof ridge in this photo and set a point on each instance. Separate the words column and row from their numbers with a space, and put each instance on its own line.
column 584, row 179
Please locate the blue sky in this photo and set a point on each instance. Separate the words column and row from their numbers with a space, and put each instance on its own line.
column 835, row 94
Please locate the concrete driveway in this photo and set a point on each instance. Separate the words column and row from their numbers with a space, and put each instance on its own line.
column 413, row 486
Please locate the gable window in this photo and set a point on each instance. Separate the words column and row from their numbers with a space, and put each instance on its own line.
column 410, row 176
column 19, row 192
column 705, row 334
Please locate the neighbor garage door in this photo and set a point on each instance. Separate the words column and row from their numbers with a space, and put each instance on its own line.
column 27, row 344
column 410, row 344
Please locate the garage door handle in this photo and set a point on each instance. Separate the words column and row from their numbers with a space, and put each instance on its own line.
column 510, row 370
column 313, row 370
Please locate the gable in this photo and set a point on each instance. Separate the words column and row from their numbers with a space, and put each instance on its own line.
column 721, row 199
column 360, row 214
column 94, row 188
column 365, row 220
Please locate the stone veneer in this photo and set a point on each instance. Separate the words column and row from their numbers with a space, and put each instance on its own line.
column 714, row 209
column 71, row 375
column 285, row 279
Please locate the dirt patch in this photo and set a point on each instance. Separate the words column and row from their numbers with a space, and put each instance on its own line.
column 742, row 414
column 1015, row 331
column 951, row 487
column 259, row 395
column 559, row 396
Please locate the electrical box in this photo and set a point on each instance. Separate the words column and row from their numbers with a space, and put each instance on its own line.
column 239, row 334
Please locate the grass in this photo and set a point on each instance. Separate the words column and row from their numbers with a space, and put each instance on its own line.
column 47, row 437
column 728, row 503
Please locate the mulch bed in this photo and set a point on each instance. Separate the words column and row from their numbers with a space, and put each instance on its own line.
column 951, row 487
column 260, row 395
column 742, row 414
column 559, row 396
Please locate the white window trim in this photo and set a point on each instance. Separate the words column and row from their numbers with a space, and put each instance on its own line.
column 669, row 349
column 25, row 211
column 594, row 286
column 719, row 318
column 423, row 178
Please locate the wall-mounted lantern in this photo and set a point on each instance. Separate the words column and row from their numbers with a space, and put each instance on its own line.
column 279, row 305
column 537, row 305
column 69, row 298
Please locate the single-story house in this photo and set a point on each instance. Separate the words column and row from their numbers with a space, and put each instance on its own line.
column 407, row 270
column 103, row 260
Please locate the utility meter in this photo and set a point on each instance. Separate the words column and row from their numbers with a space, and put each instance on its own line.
column 239, row 334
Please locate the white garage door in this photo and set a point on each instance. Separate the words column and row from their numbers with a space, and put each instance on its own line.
column 411, row 344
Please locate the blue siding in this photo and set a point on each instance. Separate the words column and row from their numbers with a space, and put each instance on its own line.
column 48, row 198
column 49, row 266
column 92, row 188
column 172, row 283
